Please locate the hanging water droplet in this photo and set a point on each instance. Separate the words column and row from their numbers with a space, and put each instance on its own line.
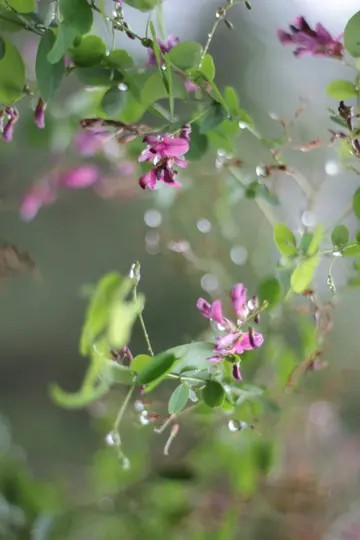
column 139, row 406
column 123, row 87
column 331, row 283
column 144, row 418
column 237, row 425
column 192, row 396
column 113, row 439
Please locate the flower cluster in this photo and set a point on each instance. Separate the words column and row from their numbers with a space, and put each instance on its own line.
column 45, row 193
column 164, row 151
column 10, row 115
column 318, row 42
column 234, row 340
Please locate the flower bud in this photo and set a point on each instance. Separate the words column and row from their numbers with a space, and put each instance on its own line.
column 39, row 115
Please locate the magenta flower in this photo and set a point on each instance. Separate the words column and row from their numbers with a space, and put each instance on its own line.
column 234, row 340
column 164, row 47
column 79, row 177
column 164, row 151
column 39, row 114
column 38, row 196
column 13, row 116
column 88, row 143
column 45, row 193
column 318, row 42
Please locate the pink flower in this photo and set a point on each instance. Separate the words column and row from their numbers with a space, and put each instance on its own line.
column 318, row 42
column 88, row 143
column 231, row 344
column 37, row 197
column 39, row 115
column 164, row 47
column 79, row 177
column 164, row 152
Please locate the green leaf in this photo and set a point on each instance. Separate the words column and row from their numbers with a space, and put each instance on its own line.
column 154, row 89
column 65, row 37
column 341, row 90
column 314, row 243
column 2, row 48
column 96, row 76
column 186, row 54
column 142, row 5
column 113, row 101
column 159, row 366
column 12, row 75
column 99, row 310
column 351, row 35
column 340, row 236
column 198, row 143
column 80, row 399
column 270, row 290
column 192, row 355
column 284, row 240
column 352, row 250
column 119, row 58
column 169, row 78
column 48, row 75
column 355, row 202
column 305, row 242
column 89, row 52
column 303, row 274
column 178, row 399
column 207, row 67
column 122, row 318
column 23, row 6
column 78, row 13
column 213, row 118
column 112, row 372
column 140, row 362
column 213, row 394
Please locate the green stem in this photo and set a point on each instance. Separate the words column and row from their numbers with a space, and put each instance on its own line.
column 220, row 16
column 143, row 326
column 123, row 409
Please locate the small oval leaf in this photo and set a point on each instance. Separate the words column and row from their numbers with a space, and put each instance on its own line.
column 356, row 203
column 284, row 240
column 340, row 236
column 158, row 367
column 178, row 399
column 341, row 90
column 213, row 394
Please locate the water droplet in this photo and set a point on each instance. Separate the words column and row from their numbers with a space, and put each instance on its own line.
column 337, row 254
column 139, row 406
column 204, row 225
column 243, row 125
column 113, row 439
column 209, row 283
column 192, row 396
column 152, row 218
column 308, row 218
column 123, row 87
column 332, row 167
column 237, row 425
column 144, row 418
column 238, row 255
column 260, row 170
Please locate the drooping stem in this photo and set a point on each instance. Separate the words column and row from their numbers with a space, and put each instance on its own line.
column 135, row 276
column 123, row 409
column 220, row 16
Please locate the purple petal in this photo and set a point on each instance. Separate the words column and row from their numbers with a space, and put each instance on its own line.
column 224, row 342
column 215, row 359
column 238, row 298
column 216, row 312
column 236, row 372
column 34, row 199
column 79, row 177
column 173, row 146
column 39, row 114
column 89, row 142
column 148, row 180
column 204, row 307
column 323, row 34
column 284, row 37
column 247, row 344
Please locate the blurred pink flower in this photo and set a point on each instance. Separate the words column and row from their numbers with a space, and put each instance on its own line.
column 88, row 143
column 13, row 116
column 165, row 46
column 79, row 177
column 318, row 42
column 36, row 197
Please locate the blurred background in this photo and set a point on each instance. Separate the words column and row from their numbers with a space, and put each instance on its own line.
column 299, row 473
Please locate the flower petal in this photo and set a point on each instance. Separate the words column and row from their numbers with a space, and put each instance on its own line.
column 148, row 180
column 238, row 298
column 79, row 177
